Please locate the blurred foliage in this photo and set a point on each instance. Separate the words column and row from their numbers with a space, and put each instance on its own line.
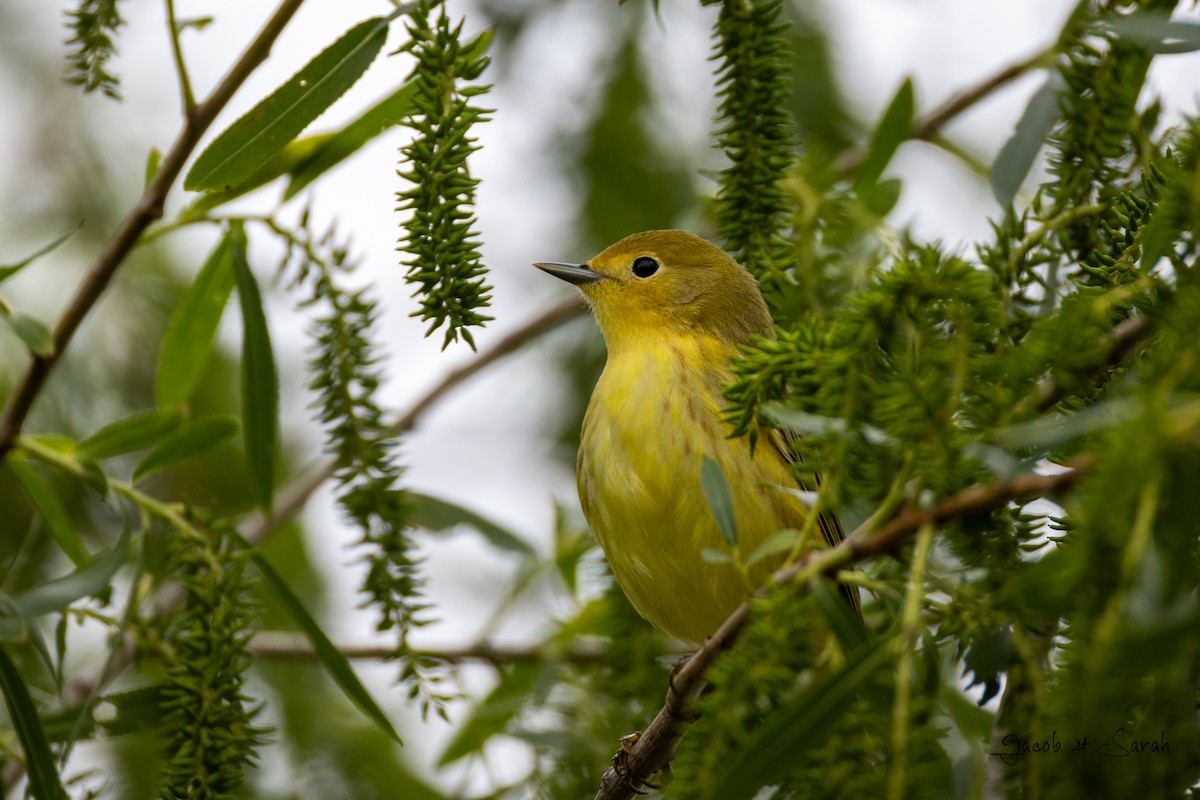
column 1036, row 649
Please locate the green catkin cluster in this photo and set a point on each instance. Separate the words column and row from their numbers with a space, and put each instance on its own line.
column 346, row 376
column 440, row 245
column 93, row 24
column 209, row 721
column 756, row 133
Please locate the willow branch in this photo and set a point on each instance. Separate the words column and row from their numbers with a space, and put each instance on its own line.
column 289, row 646
column 148, row 209
column 929, row 126
column 655, row 748
column 292, row 496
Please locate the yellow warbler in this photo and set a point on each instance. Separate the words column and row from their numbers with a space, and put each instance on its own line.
column 673, row 309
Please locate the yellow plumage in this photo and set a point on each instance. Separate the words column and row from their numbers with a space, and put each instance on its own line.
column 673, row 310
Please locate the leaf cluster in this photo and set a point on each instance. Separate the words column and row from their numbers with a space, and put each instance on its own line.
column 93, row 24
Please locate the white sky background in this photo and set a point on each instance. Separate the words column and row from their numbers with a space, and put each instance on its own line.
column 487, row 445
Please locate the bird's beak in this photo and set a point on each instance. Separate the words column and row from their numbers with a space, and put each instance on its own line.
column 578, row 274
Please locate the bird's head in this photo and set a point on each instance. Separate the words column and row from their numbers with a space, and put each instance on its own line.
column 668, row 283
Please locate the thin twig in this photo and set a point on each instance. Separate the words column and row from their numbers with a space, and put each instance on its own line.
column 148, row 208
column 655, row 747
column 185, row 82
column 929, row 126
column 295, row 493
column 290, row 646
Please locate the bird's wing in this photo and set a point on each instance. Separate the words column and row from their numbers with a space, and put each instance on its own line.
column 831, row 527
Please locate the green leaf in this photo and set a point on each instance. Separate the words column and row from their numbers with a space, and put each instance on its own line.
column 844, row 623
column 334, row 149
column 335, row 663
column 494, row 712
column 51, row 509
column 8, row 270
column 32, row 331
column 260, row 382
column 193, row 327
column 1017, row 156
column 714, row 556
column 153, row 161
column 1157, row 33
column 89, row 581
column 893, row 129
column 190, row 440
column 435, row 514
column 39, row 761
column 778, row 542
column 768, row 753
column 260, row 134
column 291, row 158
column 720, row 501
column 113, row 714
column 135, row 432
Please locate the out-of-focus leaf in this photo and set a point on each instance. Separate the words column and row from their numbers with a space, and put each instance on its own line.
column 8, row 270
column 153, row 160
column 135, row 432
column 846, row 626
column 32, row 331
column 771, row 749
column 714, row 556
column 435, row 514
column 778, row 542
column 494, row 712
column 264, row 130
column 260, row 381
column 894, row 127
column 51, row 509
column 1157, row 32
column 1017, row 156
column 44, row 783
column 193, row 326
column 88, row 581
column 113, row 714
column 335, row 663
column 720, row 501
column 190, row 440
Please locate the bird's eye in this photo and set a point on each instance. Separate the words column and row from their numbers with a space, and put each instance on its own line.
column 644, row 267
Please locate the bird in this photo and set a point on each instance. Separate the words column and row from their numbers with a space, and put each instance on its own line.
column 674, row 309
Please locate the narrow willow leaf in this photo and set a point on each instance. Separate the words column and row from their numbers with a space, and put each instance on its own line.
column 494, row 712
column 291, row 158
column 1157, row 32
column 51, row 509
column 435, row 514
column 334, row 149
column 767, row 754
column 335, row 663
column 113, row 714
column 720, row 501
column 44, row 783
column 260, row 382
column 894, row 127
column 32, row 331
column 88, row 581
column 844, row 623
column 193, row 327
column 260, row 134
column 153, row 161
column 136, row 432
column 8, row 270
column 1017, row 156
column 714, row 556
column 190, row 440
column 778, row 542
